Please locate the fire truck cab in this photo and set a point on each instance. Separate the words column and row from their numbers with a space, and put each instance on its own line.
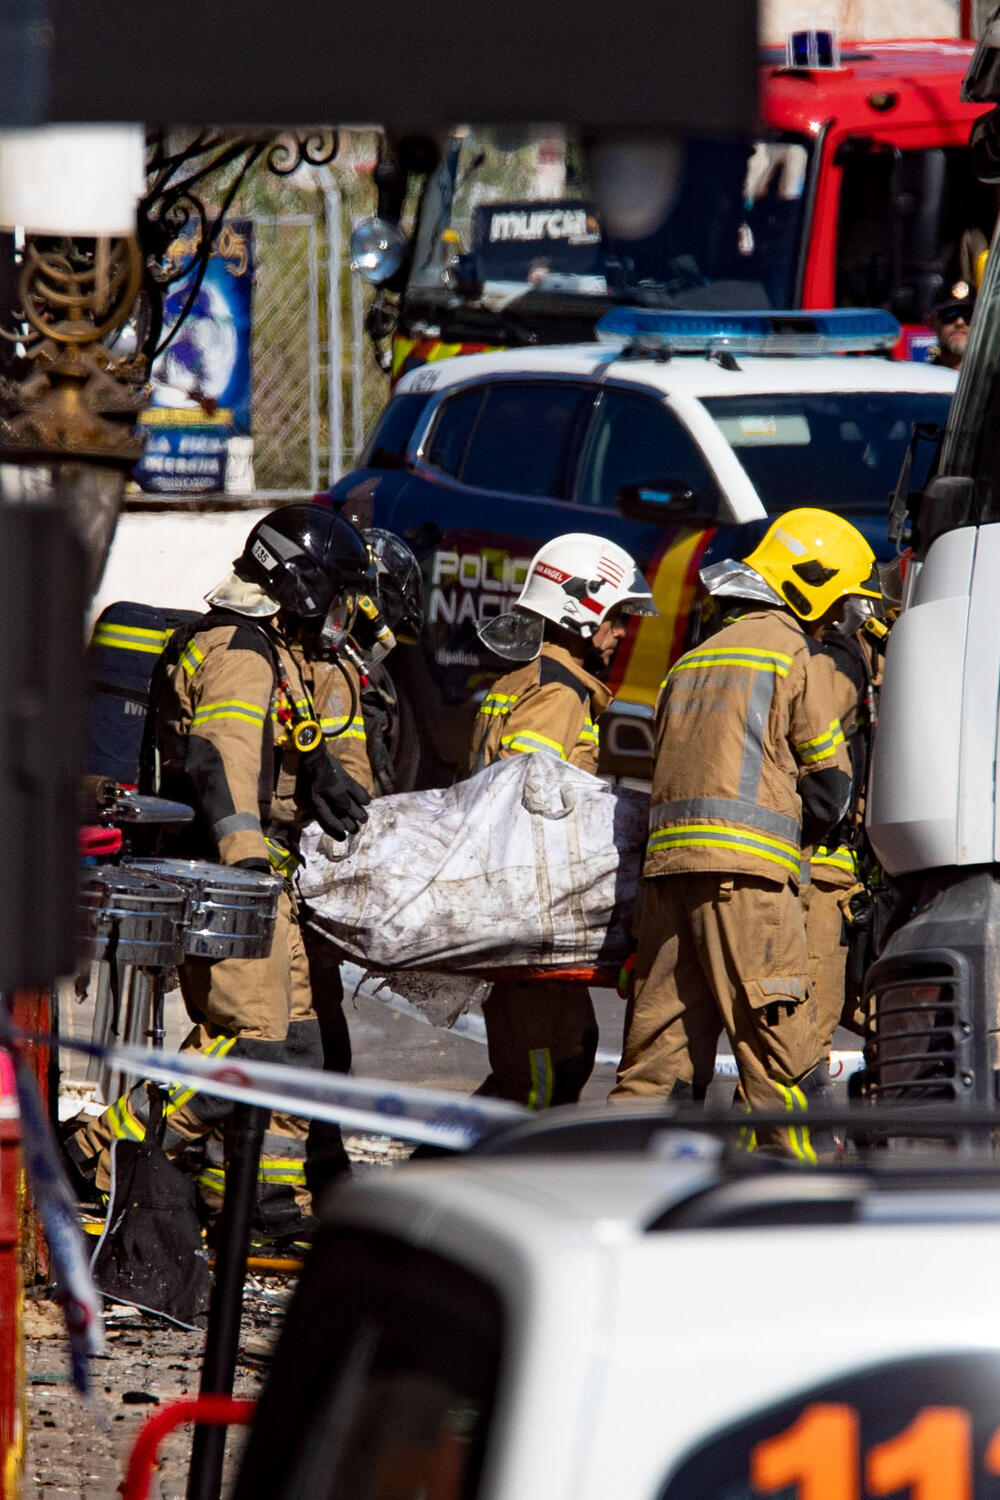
column 857, row 191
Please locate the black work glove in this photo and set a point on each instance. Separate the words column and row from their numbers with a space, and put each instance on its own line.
column 336, row 799
column 375, row 710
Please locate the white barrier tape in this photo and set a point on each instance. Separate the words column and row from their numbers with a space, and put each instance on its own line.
column 434, row 1117
column 843, row 1065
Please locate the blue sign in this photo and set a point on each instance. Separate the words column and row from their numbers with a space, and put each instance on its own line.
column 201, row 381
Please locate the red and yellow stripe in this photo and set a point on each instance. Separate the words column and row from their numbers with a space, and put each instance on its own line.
column 652, row 645
column 410, row 354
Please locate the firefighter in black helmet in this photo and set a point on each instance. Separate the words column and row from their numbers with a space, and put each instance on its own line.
column 236, row 733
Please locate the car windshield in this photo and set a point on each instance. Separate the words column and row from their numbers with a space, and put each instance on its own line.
column 840, row 451
column 521, row 220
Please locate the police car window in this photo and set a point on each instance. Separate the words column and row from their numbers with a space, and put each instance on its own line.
column 841, row 450
column 446, row 448
column 635, row 440
column 524, row 438
column 386, row 448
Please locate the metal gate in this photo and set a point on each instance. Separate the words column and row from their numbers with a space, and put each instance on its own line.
column 315, row 382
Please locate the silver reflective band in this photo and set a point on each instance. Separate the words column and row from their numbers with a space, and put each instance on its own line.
column 726, row 810
column 758, row 709
column 235, row 823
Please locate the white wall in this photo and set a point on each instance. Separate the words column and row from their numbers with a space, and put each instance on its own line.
column 863, row 18
column 172, row 559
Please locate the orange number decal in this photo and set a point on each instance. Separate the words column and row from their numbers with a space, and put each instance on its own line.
column 818, row 1454
column 991, row 1463
column 932, row 1457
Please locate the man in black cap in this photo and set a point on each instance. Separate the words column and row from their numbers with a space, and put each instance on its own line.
column 950, row 318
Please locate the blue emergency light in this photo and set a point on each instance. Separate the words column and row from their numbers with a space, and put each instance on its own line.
column 848, row 330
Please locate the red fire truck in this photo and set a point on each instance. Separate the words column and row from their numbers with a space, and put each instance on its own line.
column 857, row 191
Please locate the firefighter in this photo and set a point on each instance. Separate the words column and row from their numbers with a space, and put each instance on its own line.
column 751, row 765
column 236, row 736
column 570, row 617
column 833, row 870
column 355, row 701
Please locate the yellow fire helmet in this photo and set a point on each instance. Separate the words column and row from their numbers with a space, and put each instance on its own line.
column 812, row 558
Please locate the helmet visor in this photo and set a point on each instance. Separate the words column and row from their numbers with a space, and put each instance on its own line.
column 639, row 604
column 515, row 637
column 872, row 586
column 732, row 579
column 338, row 622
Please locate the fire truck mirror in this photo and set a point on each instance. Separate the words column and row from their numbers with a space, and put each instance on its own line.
column 41, row 713
column 984, row 143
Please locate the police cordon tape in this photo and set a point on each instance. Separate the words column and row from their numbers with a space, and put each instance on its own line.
column 433, row 1117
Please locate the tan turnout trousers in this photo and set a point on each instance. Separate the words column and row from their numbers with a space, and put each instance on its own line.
column 542, row 1035
column 252, row 1009
column 722, row 953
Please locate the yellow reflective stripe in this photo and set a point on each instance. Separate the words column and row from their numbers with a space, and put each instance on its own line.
column 213, row 1178
column 130, row 638
column 840, row 859
column 823, row 746
column 281, row 1170
column 713, row 843
column 123, row 1122
column 831, row 732
column 743, row 835
column 191, row 658
column 497, row 705
column 527, row 741
column 334, row 727
column 798, row 1137
column 542, row 1078
column 179, row 1095
column 751, row 657
column 283, row 861
column 715, row 835
column 589, row 732
column 228, row 708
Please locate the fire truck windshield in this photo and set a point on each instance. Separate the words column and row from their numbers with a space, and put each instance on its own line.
column 505, row 225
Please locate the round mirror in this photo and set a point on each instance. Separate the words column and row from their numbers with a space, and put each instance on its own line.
column 377, row 249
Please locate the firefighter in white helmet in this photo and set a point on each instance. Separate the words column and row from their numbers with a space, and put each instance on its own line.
column 566, row 626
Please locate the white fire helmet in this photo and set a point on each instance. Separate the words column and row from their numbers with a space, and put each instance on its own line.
column 576, row 580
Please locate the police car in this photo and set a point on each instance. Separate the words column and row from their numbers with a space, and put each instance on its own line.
column 677, row 436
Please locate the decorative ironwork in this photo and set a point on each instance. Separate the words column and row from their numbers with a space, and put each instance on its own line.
column 66, row 390
column 178, row 231
column 75, row 293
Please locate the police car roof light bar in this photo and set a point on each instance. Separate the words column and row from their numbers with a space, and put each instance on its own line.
column 849, row 330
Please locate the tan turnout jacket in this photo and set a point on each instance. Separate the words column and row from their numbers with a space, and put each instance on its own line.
column 224, row 742
column 548, row 704
column 749, row 745
column 341, row 718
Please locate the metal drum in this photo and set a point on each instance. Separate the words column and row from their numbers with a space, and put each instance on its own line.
column 132, row 916
column 231, row 913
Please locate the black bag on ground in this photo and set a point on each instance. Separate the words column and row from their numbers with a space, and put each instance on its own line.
column 151, row 1253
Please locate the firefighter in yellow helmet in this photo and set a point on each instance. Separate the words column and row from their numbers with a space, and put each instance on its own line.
column 751, row 765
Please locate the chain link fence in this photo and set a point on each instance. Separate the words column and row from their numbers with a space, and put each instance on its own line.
column 315, row 385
